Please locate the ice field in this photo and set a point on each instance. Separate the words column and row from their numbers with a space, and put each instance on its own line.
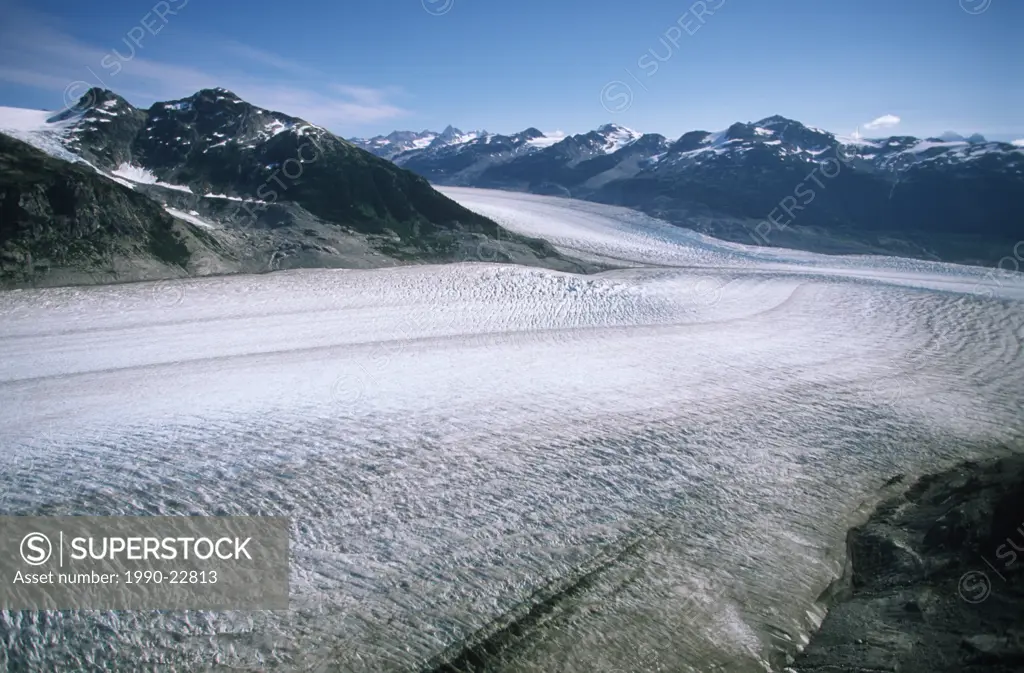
column 662, row 461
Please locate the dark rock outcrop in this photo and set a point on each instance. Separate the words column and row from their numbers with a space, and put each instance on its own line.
column 59, row 215
column 935, row 580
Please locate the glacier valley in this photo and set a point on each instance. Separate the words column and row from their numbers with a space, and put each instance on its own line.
column 649, row 468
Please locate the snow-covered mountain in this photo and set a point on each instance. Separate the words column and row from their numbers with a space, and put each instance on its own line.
column 224, row 184
column 395, row 143
column 609, row 138
column 398, row 142
column 899, row 194
column 462, row 162
column 454, row 157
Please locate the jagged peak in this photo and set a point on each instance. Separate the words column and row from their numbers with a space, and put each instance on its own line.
column 216, row 92
column 398, row 136
column 97, row 96
column 776, row 120
column 530, row 133
column 92, row 99
column 450, row 132
column 612, row 127
column 204, row 98
column 652, row 138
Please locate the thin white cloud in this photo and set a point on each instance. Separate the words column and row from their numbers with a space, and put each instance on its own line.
column 1018, row 143
column 883, row 122
column 365, row 95
column 342, row 109
column 36, row 52
column 266, row 58
column 29, row 78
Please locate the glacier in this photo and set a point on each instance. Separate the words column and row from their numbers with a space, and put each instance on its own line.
column 661, row 460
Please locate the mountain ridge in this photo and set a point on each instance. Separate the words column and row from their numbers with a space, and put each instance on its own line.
column 273, row 190
column 953, row 199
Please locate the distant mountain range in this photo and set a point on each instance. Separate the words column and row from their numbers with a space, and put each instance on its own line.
column 105, row 191
column 770, row 182
column 393, row 144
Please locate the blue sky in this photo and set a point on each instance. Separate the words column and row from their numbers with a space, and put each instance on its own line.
column 371, row 66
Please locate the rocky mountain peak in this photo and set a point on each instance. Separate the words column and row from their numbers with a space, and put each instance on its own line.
column 792, row 132
column 407, row 136
column 454, row 136
column 777, row 120
column 693, row 140
column 95, row 101
column 449, row 134
column 530, row 134
column 651, row 141
column 210, row 101
column 100, row 127
column 609, row 138
column 741, row 131
column 218, row 93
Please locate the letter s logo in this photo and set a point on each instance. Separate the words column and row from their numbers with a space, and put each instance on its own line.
column 36, row 549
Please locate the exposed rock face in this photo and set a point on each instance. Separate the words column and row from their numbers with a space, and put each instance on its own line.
column 105, row 126
column 935, row 580
column 59, row 215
